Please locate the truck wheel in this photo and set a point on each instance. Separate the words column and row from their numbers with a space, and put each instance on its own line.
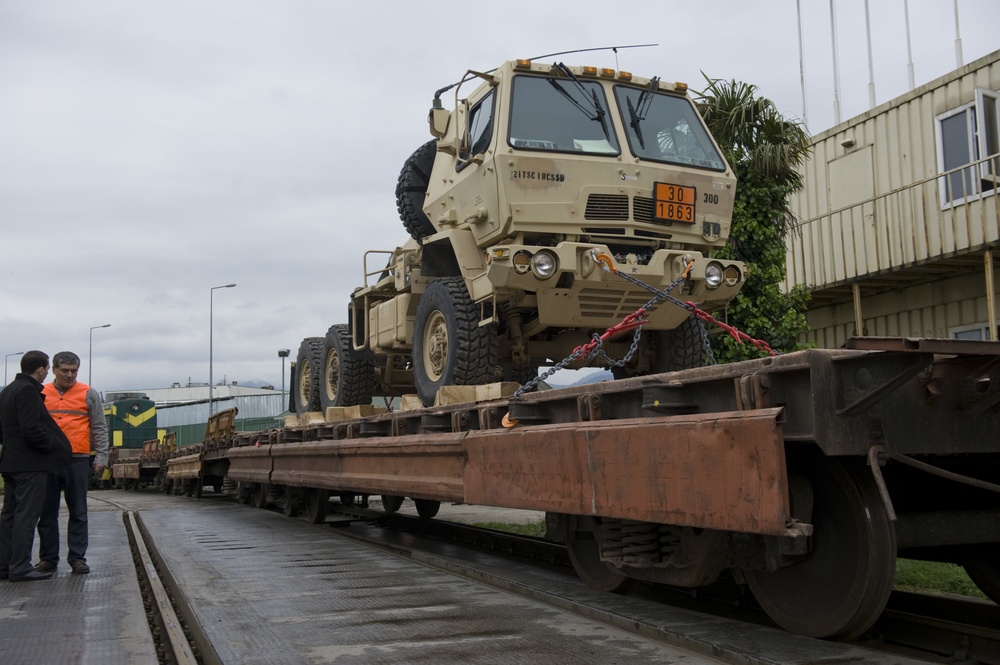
column 520, row 374
column 680, row 348
column 450, row 348
column 348, row 376
column 411, row 190
column 307, row 366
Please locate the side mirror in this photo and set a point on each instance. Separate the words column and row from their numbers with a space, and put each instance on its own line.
column 438, row 121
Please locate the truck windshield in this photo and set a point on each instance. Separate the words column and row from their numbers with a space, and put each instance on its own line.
column 561, row 115
column 666, row 128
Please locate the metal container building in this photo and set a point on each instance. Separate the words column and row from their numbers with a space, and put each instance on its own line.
column 898, row 220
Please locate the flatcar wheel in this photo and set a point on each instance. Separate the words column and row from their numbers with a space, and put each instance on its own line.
column 982, row 563
column 244, row 493
column 291, row 503
column 427, row 508
column 391, row 504
column 841, row 586
column 585, row 555
column 347, row 499
column 316, row 504
column 259, row 497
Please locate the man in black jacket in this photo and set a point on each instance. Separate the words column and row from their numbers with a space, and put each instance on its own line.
column 33, row 445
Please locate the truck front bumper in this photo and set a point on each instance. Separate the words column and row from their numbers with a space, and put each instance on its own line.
column 584, row 285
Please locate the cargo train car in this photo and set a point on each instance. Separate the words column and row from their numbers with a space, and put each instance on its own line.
column 804, row 476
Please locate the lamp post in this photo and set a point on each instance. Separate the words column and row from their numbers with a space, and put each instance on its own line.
column 283, row 353
column 90, row 354
column 211, row 388
column 11, row 355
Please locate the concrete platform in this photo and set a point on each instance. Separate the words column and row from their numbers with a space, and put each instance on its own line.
column 96, row 618
column 267, row 589
column 272, row 590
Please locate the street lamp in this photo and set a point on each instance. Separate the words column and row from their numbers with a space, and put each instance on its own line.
column 211, row 388
column 11, row 355
column 283, row 353
column 90, row 354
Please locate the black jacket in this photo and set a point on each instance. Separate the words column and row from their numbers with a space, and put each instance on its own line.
column 32, row 441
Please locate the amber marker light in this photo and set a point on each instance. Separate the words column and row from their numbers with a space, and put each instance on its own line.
column 625, row 76
column 521, row 63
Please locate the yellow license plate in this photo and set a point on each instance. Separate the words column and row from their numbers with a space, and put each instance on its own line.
column 673, row 203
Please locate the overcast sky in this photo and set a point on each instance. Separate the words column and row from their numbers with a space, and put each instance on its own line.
column 150, row 150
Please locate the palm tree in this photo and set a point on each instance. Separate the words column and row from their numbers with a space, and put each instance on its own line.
column 752, row 131
column 765, row 151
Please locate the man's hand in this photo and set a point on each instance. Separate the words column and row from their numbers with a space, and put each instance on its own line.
column 98, row 470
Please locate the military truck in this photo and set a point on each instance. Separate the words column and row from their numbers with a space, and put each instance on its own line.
column 540, row 191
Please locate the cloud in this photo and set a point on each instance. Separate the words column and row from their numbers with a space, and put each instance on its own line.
column 150, row 151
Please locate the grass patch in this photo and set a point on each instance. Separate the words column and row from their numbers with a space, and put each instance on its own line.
column 933, row 577
column 530, row 529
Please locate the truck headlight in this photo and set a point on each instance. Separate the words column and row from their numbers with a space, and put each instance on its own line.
column 544, row 264
column 713, row 275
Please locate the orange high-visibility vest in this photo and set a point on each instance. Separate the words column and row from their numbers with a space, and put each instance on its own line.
column 69, row 410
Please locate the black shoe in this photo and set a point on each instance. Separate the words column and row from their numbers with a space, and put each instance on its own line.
column 31, row 577
column 3, row 575
column 79, row 567
column 46, row 567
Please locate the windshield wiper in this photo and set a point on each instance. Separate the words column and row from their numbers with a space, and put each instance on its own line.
column 598, row 113
column 638, row 113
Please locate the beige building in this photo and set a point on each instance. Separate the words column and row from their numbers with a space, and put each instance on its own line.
column 898, row 229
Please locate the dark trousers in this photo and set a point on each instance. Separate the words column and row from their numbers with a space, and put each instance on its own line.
column 73, row 481
column 24, row 494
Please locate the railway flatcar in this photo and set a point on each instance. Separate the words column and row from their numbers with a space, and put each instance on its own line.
column 802, row 476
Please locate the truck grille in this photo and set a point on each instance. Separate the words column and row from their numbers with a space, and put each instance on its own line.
column 616, row 207
column 642, row 209
column 607, row 206
column 611, row 304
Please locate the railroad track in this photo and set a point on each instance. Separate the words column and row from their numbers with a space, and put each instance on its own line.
column 177, row 637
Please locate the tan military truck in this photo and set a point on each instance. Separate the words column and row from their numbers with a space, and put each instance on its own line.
column 534, row 185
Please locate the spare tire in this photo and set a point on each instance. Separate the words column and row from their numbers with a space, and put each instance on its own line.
column 411, row 190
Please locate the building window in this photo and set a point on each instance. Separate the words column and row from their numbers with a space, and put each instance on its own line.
column 968, row 140
column 976, row 331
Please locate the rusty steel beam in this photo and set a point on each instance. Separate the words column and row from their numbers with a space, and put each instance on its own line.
column 125, row 470
column 924, row 345
column 720, row 471
column 250, row 464
column 418, row 466
column 188, row 466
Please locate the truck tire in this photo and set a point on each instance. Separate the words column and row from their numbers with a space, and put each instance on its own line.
column 681, row 348
column 450, row 348
column 308, row 365
column 347, row 377
column 411, row 190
